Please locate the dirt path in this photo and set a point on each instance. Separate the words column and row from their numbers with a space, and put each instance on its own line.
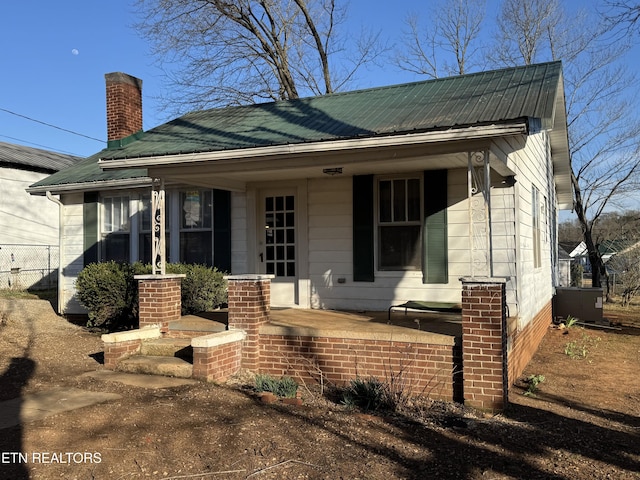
column 583, row 423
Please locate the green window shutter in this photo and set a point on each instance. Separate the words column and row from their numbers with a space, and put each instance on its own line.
column 90, row 227
column 222, row 230
column 363, row 229
column 434, row 234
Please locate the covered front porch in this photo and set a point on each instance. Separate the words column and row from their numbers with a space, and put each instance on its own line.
column 454, row 357
column 415, row 325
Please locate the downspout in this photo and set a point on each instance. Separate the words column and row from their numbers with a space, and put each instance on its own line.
column 60, row 247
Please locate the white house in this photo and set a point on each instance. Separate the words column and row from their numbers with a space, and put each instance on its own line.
column 356, row 200
column 28, row 224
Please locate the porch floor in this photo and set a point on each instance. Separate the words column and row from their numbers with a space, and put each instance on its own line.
column 421, row 327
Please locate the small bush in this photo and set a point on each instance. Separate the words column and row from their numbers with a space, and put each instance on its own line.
column 203, row 289
column 107, row 291
column 285, row 387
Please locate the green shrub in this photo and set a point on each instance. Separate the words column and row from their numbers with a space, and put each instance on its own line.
column 107, row 291
column 203, row 289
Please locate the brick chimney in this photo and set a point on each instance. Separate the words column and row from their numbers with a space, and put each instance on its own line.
column 124, row 106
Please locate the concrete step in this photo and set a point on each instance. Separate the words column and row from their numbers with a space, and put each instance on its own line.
column 154, row 365
column 167, row 347
column 198, row 325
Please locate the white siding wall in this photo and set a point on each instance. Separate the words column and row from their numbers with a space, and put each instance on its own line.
column 71, row 253
column 330, row 252
column 25, row 219
column 239, row 244
column 530, row 159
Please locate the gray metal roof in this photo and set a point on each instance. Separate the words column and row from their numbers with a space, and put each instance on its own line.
column 28, row 158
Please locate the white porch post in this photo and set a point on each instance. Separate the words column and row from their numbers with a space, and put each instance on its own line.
column 479, row 196
column 158, row 228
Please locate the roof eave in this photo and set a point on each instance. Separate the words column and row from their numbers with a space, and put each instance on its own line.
column 90, row 186
column 515, row 127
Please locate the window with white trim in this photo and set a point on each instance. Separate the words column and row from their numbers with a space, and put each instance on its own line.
column 399, row 223
column 115, row 228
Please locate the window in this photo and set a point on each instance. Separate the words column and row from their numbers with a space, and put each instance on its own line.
column 115, row 229
column 399, row 224
column 196, row 220
column 535, row 220
column 145, row 236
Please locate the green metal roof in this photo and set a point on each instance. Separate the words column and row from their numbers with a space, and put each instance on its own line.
column 479, row 98
column 466, row 100
column 86, row 172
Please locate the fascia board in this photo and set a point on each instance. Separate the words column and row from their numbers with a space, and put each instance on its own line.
column 90, row 186
column 258, row 153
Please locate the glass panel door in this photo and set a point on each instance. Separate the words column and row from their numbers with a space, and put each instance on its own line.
column 280, row 236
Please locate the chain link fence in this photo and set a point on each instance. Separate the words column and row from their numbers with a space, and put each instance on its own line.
column 24, row 267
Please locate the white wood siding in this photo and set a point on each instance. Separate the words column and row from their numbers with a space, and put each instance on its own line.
column 529, row 158
column 330, row 252
column 239, row 244
column 71, row 253
column 24, row 218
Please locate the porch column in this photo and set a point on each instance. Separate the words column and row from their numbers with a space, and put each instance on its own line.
column 159, row 300
column 484, row 343
column 158, row 250
column 249, row 305
column 479, row 200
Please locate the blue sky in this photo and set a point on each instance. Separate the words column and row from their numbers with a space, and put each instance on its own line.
column 54, row 56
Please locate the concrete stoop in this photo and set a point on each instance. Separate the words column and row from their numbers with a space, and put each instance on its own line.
column 167, row 347
column 157, row 365
column 171, row 357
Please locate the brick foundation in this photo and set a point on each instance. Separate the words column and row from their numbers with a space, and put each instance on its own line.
column 484, row 343
column 422, row 369
column 523, row 344
column 159, row 300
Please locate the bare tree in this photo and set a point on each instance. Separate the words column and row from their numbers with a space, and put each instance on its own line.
column 603, row 127
column 449, row 38
column 626, row 266
column 624, row 14
column 523, row 29
column 222, row 52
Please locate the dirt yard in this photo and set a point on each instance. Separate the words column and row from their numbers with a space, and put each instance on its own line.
column 583, row 422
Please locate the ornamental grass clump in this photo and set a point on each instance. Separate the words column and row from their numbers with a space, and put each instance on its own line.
column 284, row 387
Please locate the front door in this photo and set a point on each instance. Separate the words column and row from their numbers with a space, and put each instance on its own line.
column 278, row 246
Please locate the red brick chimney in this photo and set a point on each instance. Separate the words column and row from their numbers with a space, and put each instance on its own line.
column 124, row 105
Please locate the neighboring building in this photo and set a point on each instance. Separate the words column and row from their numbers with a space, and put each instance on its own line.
column 28, row 224
column 607, row 248
column 564, row 267
column 356, row 200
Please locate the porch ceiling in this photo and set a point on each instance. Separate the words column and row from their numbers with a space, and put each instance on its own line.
column 382, row 160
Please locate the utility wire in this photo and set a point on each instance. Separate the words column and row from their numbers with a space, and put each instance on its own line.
column 52, row 126
column 42, row 146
